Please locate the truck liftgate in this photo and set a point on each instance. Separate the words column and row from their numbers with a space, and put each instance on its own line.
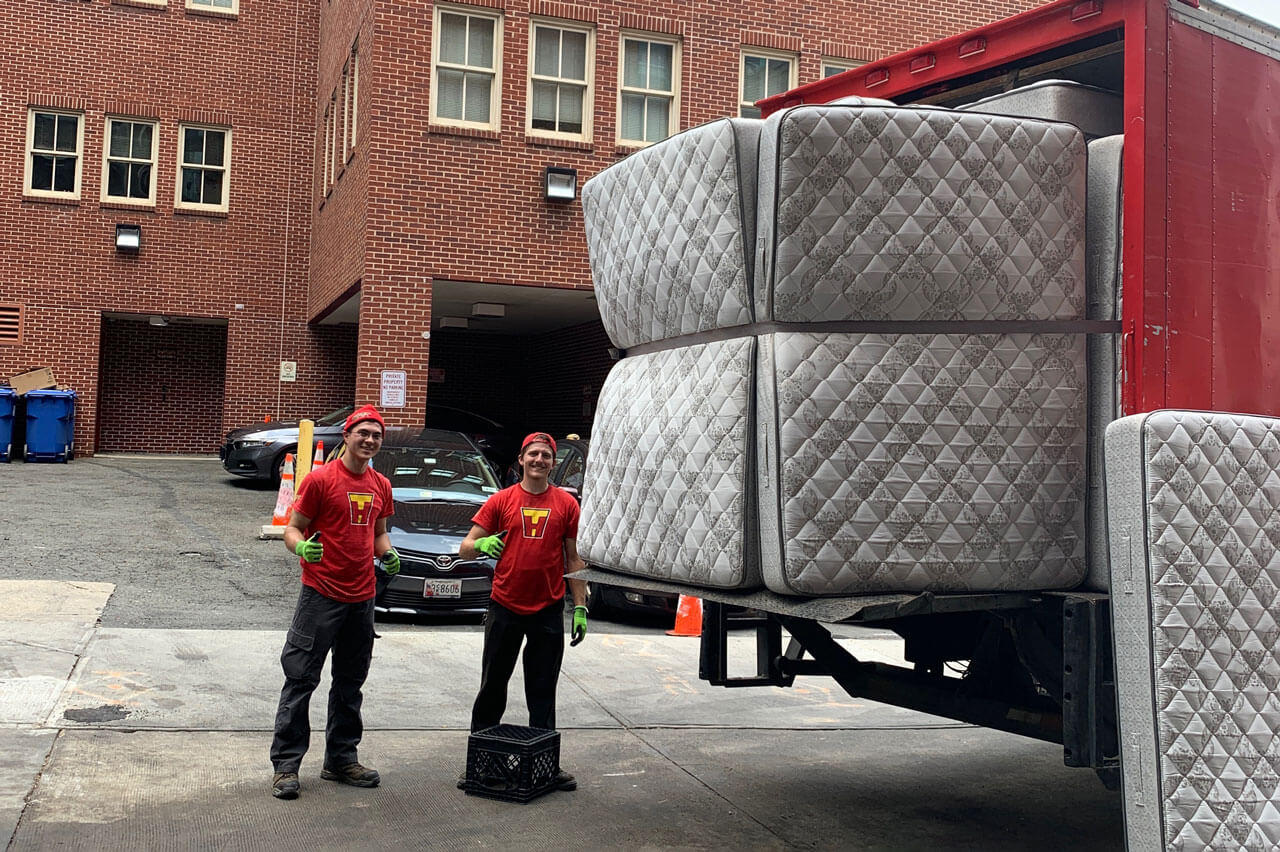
column 1035, row 664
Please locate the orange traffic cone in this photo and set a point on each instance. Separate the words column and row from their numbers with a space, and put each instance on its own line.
column 318, row 459
column 284, row 497
column 688, row 617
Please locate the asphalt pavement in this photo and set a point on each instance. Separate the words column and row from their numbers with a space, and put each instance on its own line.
column 123, row 731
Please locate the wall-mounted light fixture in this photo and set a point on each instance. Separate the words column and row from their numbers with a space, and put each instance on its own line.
column 488, row 309
column 158, row 322
column 129, row 238
column 454, row 322
column 560, row 183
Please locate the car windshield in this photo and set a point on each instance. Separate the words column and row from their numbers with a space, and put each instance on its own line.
column 336, row 418
column 421, row 474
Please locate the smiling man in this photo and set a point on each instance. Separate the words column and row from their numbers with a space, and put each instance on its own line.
column 339, row 522
column 531, row 528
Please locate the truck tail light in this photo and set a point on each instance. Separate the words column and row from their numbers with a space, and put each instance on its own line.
column 923, row 63
column 877, row 77
column 972, row 47
column 1087, row 9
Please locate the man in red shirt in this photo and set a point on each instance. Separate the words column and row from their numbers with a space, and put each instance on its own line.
column 347, row 505
column 531, row 528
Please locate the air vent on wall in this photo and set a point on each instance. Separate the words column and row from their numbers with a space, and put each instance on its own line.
column 10, row 323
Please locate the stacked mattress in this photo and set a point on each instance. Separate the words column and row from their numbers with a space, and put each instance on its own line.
column 1194, row 509
column 903, row 405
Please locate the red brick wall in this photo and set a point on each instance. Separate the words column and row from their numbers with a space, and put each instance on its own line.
column 161, row 388
column 254, row 73
column 414, row 203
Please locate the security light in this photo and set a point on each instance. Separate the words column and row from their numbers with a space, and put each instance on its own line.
column 560, row 183
column 129, row 238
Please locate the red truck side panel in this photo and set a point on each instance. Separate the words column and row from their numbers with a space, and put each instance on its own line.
column 1223, row 225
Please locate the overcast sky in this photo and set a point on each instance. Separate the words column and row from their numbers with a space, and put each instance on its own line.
column 1263, row 10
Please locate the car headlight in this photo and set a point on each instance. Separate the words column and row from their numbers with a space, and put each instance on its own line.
column 244, row 445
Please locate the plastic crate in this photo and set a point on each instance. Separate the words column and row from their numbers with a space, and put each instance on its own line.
column 512, row 763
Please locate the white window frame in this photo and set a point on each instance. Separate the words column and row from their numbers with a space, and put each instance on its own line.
column 767, row 54
column 337, row 132
column 222, row 207
column 107, row 159
column 673, row 115
column 233, row 8
column 30, row 153
column 832, row 66
column 326, row 128
column 495, row 71
column 587, row 84
column 351, row 94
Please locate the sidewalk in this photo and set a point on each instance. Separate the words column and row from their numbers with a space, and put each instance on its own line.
column 157, row 739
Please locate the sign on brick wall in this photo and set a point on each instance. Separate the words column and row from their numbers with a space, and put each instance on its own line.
column 393, row 388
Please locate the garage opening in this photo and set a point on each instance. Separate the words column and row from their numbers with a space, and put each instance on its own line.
column 160, row 382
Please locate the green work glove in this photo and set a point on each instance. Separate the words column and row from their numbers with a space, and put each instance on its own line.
column 310, row 550
column 491, row 545
column 579, row 625
column 391, row 562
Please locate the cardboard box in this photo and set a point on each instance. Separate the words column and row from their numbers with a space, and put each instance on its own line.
column 32, row 380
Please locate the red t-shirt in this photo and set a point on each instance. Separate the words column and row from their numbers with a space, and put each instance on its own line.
column 344, row 508
column 530, row 574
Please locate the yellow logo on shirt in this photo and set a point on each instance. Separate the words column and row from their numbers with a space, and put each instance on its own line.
column 360, row 505
column 535, row 521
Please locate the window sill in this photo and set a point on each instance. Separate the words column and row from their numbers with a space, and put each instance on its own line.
column 137, row 206
column 208, row 12
column 159, row 6
column 553, row 142
column 52, row 199
column 208, row 214
column 473, row 132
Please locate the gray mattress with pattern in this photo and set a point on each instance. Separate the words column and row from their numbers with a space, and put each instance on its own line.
column 1194, row 511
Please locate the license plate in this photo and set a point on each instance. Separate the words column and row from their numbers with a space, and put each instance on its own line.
column 442, row 589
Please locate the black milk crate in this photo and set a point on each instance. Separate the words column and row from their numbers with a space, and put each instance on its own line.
column 512, row 763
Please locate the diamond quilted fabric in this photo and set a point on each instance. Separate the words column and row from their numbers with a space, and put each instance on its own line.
column 668, row 479
column 926, row 462
column 669, row 231
column 874, row 213
column 1213, row 538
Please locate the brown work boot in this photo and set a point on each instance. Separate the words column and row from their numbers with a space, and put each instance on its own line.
column 284, row 785
column 564, row 781
column 353, row 774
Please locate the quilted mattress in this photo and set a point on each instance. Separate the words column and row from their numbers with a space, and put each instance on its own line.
column 1097, row 112
column 670, row 482
column 670, row 234
column 1194, row 510
column 919, row 462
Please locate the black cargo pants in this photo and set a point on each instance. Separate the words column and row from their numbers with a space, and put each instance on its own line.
column 321, row 624
column 543, row 635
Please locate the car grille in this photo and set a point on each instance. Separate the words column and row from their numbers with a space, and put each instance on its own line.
column 411, row 600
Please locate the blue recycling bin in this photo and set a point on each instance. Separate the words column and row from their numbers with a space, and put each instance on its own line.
column 51, row 422
column 8, row 401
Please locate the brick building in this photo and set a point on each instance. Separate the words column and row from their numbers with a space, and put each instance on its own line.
column 328, row 191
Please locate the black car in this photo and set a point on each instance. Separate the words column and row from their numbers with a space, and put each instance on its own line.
column 258, row 451
column 571, row 464
column 439, row 479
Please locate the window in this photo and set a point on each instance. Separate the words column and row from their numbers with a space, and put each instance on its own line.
column 465, row 81
column 352, row 88
column 54, row 141
column 326, row 176
column 559, row 92
column 832, row 67
column 204, row 167
column 335, row 138
column 647, row 109
column 231, row 7
column 128, row 162
column 764, row 73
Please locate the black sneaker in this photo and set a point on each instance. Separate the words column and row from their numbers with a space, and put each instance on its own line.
column 462, row 781
column 564, row 781
column 353, row 774
column 284, row 785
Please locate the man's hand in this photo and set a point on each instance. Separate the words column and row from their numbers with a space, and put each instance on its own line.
column 579, row 625
column 491, row 545
column 310, row 549
column 391, row 562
